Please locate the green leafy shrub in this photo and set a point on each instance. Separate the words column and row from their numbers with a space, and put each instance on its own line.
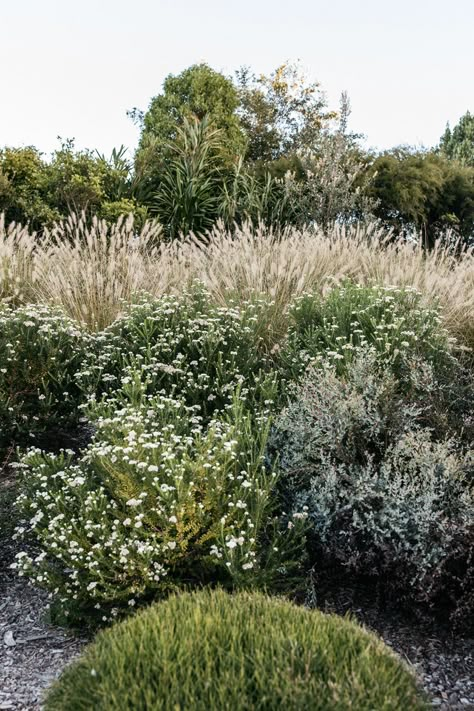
column 390, row 319
column 157, row 502
column 186, row 346
column 384, row 496
column 41, row 351
column 211, row 650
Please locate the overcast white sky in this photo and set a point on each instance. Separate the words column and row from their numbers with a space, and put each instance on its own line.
column 74, row 68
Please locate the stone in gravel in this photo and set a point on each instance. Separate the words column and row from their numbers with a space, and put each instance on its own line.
column 9, row 639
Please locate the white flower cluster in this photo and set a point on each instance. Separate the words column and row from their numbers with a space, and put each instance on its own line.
column 156, row 500
column 392, row 320
column 184, row 346
column 41, row 351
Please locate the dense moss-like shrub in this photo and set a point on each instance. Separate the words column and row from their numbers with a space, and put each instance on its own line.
column 158, row 501
column 384, row 496
column 40, row 352
column 247, row 651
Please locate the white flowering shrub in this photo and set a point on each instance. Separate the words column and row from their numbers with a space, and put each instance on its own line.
column 41, row 351
column 186, row 346
column 384, row 496
column 157, row 501
column 390, row 319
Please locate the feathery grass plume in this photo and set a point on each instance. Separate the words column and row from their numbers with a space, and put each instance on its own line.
column 287, row 264
column 17, row 264
column 90, row 269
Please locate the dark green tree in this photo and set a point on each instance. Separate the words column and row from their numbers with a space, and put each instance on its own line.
column 458, row 143
column 195, row 93
column 423, row 192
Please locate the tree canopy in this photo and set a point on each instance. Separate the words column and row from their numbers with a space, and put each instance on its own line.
column 265, row 148
column 423, row 192
column 458, row 143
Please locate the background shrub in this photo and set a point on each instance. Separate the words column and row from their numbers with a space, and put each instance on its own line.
column 189, row 347
column 215, row 651
column 384, row 495
column 392, row 320
column 155, row 503
column 41, row 352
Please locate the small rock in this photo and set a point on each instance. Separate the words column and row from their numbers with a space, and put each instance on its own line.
column 8, row 639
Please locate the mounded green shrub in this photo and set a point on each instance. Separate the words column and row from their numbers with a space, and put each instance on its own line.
column 157, row 502
column 210, row 650
column 41, row 350
column 384, row 495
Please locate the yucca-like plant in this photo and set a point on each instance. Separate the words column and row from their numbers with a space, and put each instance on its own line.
column 249, row 198
column 188, row 196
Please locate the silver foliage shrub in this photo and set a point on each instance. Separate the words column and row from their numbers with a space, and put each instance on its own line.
column 385, row 495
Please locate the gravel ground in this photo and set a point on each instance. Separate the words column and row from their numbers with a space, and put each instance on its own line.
column 33, row 652
column 443, row 661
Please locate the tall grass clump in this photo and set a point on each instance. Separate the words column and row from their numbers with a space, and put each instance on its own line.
column 89, row 270
column 17, row 263
column 288, row 264
column 246, row 651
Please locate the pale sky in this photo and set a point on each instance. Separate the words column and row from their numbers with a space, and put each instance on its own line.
column 74, row 68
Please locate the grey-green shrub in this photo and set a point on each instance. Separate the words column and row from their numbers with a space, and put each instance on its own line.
column 157, row 502
column 41, row 351
column 384, row 496
column 215, row 651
